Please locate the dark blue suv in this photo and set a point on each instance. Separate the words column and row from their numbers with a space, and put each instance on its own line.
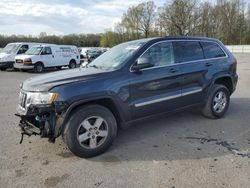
column 131, row 81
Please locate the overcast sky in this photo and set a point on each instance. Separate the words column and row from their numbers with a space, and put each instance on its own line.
column 62, row 16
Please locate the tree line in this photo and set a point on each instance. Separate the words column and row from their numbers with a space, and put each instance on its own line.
column 92, row 40
column 227, row 20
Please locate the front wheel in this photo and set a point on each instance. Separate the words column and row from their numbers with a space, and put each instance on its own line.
column 39, row 68
column 217, row 102
column 90, row 131
column 3, row 69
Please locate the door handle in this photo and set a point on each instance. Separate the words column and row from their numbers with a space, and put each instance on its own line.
column 209, row 64
column 173, row 70
column 53, row 56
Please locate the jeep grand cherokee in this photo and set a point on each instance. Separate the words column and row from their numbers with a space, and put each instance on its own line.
column 131, row 81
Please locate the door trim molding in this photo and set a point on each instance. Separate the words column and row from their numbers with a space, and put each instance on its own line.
column 196, row 90
column 157, row 100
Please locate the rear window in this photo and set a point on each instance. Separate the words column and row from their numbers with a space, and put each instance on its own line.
column 212, row 50
column 188, row 51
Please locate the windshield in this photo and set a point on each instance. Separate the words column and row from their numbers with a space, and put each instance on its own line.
column 11, row 48
column 34, row 51
column 116, row 56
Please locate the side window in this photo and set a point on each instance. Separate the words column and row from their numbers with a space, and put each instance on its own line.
column 23, row 49
column 46, row 51
column 188, row 51
column 160, row 54
column 212, row 50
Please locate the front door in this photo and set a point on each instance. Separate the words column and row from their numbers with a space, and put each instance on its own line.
column 47, row 57
column 156, row 89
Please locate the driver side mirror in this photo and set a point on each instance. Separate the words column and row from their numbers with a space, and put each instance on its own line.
column 142, row 63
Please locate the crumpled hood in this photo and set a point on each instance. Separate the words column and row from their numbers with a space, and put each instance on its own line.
column 47, row 81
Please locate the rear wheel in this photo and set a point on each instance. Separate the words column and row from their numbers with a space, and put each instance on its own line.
column 39, row 68
column 3, row 69
column 90, row 131
column 72, row 64
column 217, row 103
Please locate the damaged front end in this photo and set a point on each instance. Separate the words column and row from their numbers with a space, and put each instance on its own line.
column 43, row 125
column 40, row 119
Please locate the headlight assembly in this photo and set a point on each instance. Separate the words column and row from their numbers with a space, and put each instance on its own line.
column 40, row 98
column 27, row 61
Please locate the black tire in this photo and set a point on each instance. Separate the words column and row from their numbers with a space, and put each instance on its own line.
column 209, row 108
column 39, row 67
column 59, row 68
column 72, row 64
column 3, row 69
column 73, row 127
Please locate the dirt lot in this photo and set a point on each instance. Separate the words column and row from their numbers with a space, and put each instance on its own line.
column 183, row 150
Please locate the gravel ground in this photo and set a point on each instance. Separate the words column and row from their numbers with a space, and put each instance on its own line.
column 182, row 150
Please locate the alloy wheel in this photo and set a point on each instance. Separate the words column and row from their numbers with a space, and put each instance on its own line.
column 219, row 102
column 92, row 132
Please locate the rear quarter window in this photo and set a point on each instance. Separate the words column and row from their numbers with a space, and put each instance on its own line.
column 212, row 50
column 186, row 51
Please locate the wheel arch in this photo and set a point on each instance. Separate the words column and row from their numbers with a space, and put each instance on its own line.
column 107, row 102
column 39, row 62
column 225, row 80
column 72, row 60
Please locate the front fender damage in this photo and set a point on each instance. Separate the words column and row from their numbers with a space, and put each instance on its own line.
column 44, row 122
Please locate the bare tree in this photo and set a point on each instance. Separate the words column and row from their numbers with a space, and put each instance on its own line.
column 179, row 17
column 206, row 25
column 147, row 15
column 139, row 19
column 131, row 21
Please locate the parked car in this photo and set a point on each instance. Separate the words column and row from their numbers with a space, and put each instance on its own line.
column 130, row 82
column 83, row 51
column 93, row 54
column 40, row 57
column 7, row 55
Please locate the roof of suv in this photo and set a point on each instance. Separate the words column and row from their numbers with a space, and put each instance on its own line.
column 178, row 38
column 189, row 38
column 158, row 39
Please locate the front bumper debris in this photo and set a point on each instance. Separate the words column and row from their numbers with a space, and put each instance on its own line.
column 45, row 121
column 27, row 129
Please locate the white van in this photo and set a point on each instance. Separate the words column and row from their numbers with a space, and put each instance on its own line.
column 48, row 55
column 7, row 54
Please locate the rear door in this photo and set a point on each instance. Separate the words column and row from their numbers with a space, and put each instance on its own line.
column 189, row 55
column 215, row 57
column 156, row 89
